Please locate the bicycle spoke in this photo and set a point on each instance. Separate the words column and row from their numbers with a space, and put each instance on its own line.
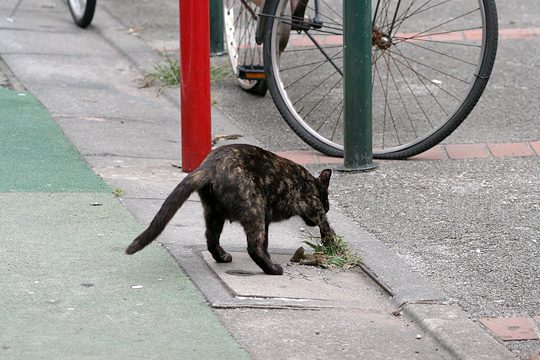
column 408, row 59
column 319, row 62
column 307, row 73
column 422, row 78
column 248, row 8
column 390, row 32
column 338, row 121
column 451, row 43
column 300, row 49
column 401, row 100
column 421, row 10
column 386, row 105
column 315, row 87
column 442, row 54
column 417, row 100
column 426, row 32
column 400, row 96
column 324, row 53
column 323, row 97
column 411, row 91
column 419, row 36
column 333, row 11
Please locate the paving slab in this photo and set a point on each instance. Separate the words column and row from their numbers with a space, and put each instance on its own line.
column 334, row 288
column 107, row 133
column 308, row 334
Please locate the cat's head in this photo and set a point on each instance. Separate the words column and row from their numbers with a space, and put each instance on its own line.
column 323, row 181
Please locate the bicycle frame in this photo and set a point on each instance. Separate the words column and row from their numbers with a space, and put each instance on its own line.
column 379, row 39
column 299, row 7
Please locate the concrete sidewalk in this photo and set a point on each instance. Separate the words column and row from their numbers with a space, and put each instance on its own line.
column 107, row 305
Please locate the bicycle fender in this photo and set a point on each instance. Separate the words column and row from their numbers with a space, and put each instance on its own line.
column 261, row 21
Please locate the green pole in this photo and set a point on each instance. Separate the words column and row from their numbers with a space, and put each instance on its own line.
column 216, row 27
column 357, row 30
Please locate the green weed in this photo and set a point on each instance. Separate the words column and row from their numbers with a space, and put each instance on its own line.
column 219, row 72
column 166, row 73
column 117, row 192
column 336, row 252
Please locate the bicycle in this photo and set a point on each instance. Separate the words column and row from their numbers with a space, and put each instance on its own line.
column 82, row 11
column 431, row 61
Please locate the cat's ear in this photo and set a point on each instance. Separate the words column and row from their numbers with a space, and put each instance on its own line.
column 324, row 178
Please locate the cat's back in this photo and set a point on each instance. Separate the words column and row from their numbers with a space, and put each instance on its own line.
column 248, row 163
column 249, row 157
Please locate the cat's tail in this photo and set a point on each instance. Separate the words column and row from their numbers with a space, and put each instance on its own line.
column 172, row 203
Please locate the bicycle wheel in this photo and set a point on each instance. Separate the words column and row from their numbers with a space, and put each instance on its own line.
column 82, row 11
column 240, row 18
column 431, row 60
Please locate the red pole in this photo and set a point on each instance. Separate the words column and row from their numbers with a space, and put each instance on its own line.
column 195, row 82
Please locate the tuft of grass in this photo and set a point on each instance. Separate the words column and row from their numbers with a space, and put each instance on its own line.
column 219, row 72
column 166, row 73
column 118, row 192
column 336, row 253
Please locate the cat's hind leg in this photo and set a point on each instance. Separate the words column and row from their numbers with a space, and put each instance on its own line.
column 214, row 225
column 258, row 247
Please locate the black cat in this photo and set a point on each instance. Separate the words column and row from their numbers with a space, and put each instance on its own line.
column 250, row 185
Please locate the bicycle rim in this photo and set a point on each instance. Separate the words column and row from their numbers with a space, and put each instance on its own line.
column 78, row 8
column 240, row 18
column 431, row 61
column 82, row 11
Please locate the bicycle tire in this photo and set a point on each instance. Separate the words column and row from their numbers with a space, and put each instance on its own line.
column 423, row 126
column 245, row 55
column 82, row 11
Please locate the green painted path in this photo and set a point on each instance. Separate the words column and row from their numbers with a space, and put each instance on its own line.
column 67, row 291
column 34, row 153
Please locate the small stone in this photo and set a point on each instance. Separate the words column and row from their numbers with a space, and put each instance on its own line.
column 298, row 255
column 418, row 337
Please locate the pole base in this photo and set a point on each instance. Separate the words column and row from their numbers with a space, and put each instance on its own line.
column 356, row 169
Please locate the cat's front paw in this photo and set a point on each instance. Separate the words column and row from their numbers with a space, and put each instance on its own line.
column 223, row 258
column 275, row 269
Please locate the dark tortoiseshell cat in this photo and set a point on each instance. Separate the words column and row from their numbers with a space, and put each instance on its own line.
column 250, row 185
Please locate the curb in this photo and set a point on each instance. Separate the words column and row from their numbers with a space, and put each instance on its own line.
column 427, row 305
column 439, row 152
column 420, row 299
